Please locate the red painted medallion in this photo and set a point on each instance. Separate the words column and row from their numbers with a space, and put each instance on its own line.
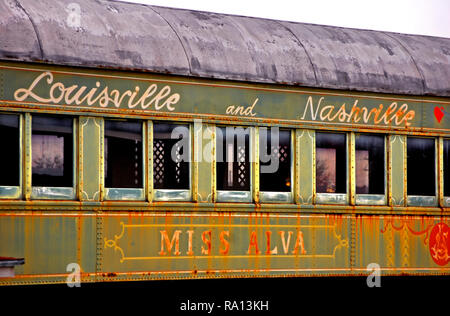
column 440, row 244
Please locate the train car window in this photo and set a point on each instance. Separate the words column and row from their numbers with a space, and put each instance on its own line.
column 331, row 163
column 171, row 156
column 421, row 166
column 446, row 167
column 275, row 160
column 369, row 164
column 10, row 158
column 233, row 158
column 123, row 154
column 52, row 151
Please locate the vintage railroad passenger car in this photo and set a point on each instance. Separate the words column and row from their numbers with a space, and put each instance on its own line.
column 143, row 142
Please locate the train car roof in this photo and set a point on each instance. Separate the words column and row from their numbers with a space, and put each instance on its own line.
column 127, row 36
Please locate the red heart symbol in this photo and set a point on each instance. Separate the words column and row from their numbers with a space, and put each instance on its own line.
column 439, row 113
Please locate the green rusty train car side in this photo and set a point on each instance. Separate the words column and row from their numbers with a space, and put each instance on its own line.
column 198, row 229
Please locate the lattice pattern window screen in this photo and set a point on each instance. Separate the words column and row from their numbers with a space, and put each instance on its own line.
column 280, row 152
column 170, row 156
column 137, row 158
column 242, row 170
column 158, row 162
column 178, row 164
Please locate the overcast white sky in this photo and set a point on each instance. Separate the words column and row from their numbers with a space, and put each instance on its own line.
column 427, row 17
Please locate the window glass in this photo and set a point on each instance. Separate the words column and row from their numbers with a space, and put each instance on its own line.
column 369, row 159
column 123, row 154
column 421, row 174
column 446, row 167
column 52, row 151
column 233, row 158
column 10, row 158
column 331, row 163
column 171, row 156
column 275, row 160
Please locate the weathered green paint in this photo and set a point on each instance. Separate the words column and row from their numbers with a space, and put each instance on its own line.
column 89, row 158
column 305, row 174
column 134, row 94
column 26, row 153
column 205, row 139
column 230, row 244
column 149, row 178
column 397, row 169
column 117, row 239
column 351, row 174
column 49, row 242
column 115, row 246
column 254, row 167
column 396, row 243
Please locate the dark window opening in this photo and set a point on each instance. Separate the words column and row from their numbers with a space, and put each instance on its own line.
column 331, row 163
column 275, row 160
column 233, row 158
column 421, row 174
column 10, row 158
column 171, row 156
column 369, row 158
column 52, row 151
column 446, row 167
column 123, row 154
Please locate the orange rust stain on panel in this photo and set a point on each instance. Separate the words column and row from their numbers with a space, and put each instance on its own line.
column 79, row 221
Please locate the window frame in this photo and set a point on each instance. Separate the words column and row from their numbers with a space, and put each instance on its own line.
column 424, row 200
column 15, row 192
column 49, row 192
column 373, row 199
column 228, row 196
column 446, row 198
column 333, row 198
column 170, row 195
column 124, row 194
column 274, row 196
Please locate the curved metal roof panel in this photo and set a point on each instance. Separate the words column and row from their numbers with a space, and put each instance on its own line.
column 121, row 35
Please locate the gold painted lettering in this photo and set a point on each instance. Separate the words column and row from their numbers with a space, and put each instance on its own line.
column 173, row 99
column 330, row 109
column 147, row 94
column 60, row 86
column 224, row 242
column 164, row 92
column 269, row 251
column 390, row 110
column 174, row 243
column 285, row 243
column 190, row 234
column 22, row 94
column 75, row 94
column 299, row 245
column 132, row 105
column 310, row 105
column 241, row 110
column 379, row 115
column 207, row 242
column 253, row 244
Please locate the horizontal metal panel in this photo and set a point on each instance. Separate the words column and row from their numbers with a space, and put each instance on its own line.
column 130, row 36
column 160, row 245
column 38, row 87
